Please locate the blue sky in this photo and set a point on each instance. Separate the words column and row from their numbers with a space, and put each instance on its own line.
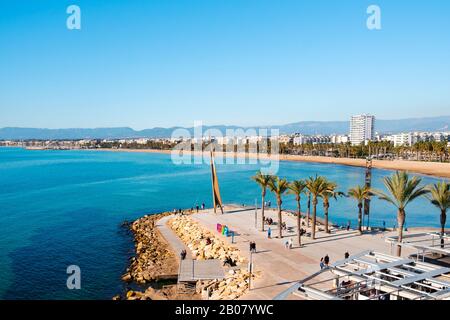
column 248, row 62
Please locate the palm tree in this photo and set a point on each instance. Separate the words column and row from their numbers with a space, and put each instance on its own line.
column 278, row 187
column 329, row 191
column 315, row 187
column 401, row 191
column 297, row 188
column 360, row 193
column 440, row 197
column 263, row 181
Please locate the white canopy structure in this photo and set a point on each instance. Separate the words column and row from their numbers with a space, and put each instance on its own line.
column 375, row 276
column 424, row 243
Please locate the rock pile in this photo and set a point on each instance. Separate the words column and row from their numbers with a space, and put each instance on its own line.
column 196, row 239
column 153, row 256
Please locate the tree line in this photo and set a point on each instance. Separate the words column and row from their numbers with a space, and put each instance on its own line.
column 401, row 189
column 420, row 151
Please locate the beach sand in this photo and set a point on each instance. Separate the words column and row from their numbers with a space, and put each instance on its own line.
column 435, row 169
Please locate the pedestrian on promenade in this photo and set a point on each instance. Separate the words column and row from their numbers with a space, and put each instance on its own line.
column 252, row 246
column 326, row 260
column 183, row 254
column 196, row 207
column 346, row 255
column 203, row 206
column 322, row 265
column 269, row 233
column 290, row 243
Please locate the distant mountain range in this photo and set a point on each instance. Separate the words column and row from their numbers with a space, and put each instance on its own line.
column 304, row 127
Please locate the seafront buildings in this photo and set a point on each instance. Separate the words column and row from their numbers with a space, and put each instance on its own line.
column 362, row 129
column 405, row 139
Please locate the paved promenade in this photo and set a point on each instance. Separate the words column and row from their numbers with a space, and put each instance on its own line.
column 281, row 267
column 174, row 241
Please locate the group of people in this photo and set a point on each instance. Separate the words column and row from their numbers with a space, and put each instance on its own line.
column 267, row 204
column 228, row 261
column 178, row 211
column 324, row 262
column 181, row 212
column 269, row 221
column 288, row 244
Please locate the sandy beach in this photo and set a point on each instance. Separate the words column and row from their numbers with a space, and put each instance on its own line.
column 435, row 169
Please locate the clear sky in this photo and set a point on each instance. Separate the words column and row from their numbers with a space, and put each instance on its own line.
column 246, row 62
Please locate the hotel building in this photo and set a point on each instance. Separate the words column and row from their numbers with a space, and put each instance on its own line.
column 362, row 129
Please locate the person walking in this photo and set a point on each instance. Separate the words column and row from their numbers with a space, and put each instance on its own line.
column 290, row 243
column 196, row 207
column 269, row 233
column 326, row 260
column 346, row 255
column 321, row 264
column 252, row 247
column 203, row 206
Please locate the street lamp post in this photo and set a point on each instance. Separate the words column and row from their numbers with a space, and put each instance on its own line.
column 250, row 269
column 256, row 214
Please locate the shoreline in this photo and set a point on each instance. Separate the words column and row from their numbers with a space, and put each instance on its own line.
column 153, row 268
column 433, row 169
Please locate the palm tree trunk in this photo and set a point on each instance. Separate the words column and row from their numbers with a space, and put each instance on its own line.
column 299, row 224
column 325, row 213
column 280, row 232
column 309, row 209
column 443, row 220
column 262, row 212
column 401, row 222
column 313, row 230
column 360, row 218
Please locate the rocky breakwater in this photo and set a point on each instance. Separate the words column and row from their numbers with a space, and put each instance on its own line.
column 205, row 245
column 153, row 260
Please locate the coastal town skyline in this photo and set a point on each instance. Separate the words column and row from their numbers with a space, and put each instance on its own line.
column 208, row 151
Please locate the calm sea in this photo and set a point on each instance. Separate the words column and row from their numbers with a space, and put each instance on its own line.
column 59, row 208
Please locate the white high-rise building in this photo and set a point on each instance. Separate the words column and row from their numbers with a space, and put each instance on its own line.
column 362, row 129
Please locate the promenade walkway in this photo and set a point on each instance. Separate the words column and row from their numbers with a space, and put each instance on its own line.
column 282, row 267
column 174, row 241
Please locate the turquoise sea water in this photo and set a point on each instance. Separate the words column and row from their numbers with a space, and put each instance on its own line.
column 59, row 208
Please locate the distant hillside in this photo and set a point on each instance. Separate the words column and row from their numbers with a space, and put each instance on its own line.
column 381, row 126
column 304, row 127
